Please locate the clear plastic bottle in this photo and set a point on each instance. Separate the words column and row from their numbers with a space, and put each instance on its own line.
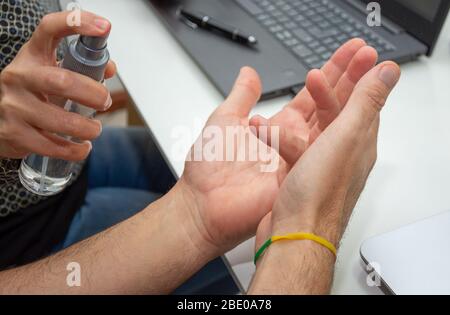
column 47, row 176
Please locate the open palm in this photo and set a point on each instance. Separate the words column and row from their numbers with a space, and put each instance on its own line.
column 233, row 194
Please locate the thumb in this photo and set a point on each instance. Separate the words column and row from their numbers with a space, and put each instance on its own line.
column 245, row 94
column 371, row 93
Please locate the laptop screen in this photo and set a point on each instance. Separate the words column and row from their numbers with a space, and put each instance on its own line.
column 425, row 8
column 421, row 18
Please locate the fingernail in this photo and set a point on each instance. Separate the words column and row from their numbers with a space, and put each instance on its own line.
column 108, row 102
column 102, row 24
column 90, row 145
column 389, row 75
column 100, row 125
column 243, row 71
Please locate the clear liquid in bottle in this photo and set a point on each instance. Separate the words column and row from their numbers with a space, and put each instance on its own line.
column 45, row 176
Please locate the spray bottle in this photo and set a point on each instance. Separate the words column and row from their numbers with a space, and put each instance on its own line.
column 47, row 176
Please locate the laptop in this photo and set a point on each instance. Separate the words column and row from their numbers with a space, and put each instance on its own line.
column 412, row 260
column 295, row 36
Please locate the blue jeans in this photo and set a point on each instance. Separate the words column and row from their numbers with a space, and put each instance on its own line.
column 126, row 174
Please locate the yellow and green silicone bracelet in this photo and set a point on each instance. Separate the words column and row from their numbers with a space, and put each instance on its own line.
column 295, row 237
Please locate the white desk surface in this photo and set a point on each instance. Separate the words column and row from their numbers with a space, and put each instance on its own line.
column 411, row 180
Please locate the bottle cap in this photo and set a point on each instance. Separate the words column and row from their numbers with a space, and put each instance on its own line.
column 94, row 43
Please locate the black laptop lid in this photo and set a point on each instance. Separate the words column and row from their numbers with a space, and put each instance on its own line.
column 421, row 18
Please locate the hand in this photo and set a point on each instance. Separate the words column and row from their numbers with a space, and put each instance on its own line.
column 317, row 105
column 322, row 189
column 231, row 198
column 29, row 121
column 320, row 102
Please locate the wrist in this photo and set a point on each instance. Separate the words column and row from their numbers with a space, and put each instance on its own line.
column 294, row 267
column 188, row 215
column 327, row 225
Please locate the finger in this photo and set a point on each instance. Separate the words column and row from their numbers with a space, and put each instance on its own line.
column 55, row 26
column 68, row 150
column 327, row 104
column 370, row 96
column 69, row 85
column 46, row 144
column 333, row 70
column 54, row 119
column 257, row 122
column 290, row 146
column 111, row 70
column 341, row 59
column 364, row 60
column 245, row 94
column 9, row 149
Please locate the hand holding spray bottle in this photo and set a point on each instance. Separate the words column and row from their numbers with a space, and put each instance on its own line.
column 46, row 176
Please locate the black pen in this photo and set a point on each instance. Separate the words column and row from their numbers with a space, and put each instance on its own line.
column 211, row 24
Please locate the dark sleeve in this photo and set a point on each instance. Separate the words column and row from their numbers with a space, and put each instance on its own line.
column 18, row 21
column 34, row 233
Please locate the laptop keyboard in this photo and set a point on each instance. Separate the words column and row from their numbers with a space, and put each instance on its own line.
column 312, row 29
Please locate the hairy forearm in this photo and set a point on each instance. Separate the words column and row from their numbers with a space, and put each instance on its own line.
column 153, row 252
column 294, row 267
column 300, row 266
